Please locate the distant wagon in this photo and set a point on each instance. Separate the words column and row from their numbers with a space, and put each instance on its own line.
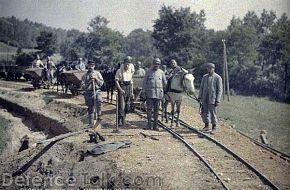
column 73, row 80
column 37, row 76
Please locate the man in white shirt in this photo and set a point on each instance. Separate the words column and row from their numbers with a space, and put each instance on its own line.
column 124, row 83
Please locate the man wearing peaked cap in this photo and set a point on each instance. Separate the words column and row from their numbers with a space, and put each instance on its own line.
column 87, row 85
column 210, row 93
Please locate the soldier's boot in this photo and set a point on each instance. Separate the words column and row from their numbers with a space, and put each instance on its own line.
column 91, row 121
column 206, row 127
column 149, row 118
column 214, row 128
column 155, row 125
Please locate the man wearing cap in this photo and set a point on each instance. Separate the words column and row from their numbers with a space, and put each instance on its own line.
column 124, row 83
column 87, row 85
column 175, row 69
column 139, row 72
column 210, row 93
column 153, row 87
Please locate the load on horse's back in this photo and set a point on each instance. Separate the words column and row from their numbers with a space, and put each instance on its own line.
column 180, row 81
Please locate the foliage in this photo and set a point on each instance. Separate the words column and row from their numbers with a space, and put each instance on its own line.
column 46, row 42
column 179, row 34
column 139, row 45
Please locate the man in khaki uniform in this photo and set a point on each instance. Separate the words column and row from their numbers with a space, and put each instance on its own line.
column 210, row 93
column 153, row 86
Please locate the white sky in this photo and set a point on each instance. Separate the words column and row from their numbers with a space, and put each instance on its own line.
column 127, row 15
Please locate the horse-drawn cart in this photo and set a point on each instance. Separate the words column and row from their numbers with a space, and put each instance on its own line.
column 38, row 77
column 73, row 80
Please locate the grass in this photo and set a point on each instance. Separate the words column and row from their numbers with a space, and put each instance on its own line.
column 3, row 133
column 12, row 51
column 252, row 114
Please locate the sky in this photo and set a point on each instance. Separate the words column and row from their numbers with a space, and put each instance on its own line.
column 127, row 15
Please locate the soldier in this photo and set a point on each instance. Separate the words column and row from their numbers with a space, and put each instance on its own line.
column 124, row 83
column 153, row 85
column 140, row 72
column 173, row 72
column 87, row 85
column 210, row 93
column 50, row 66
column 37, row 63
column 81, row 65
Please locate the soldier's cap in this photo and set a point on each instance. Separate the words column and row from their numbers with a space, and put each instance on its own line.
column 173, row 61
column 156, row 61
column 91, row 62
column 210, row 65
column 128, row 59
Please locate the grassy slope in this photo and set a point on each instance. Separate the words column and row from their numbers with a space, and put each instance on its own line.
column 251, row 114
column 3, row 133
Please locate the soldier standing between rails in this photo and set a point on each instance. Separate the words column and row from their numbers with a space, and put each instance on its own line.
column 124, row 83
column 139, row 72
column 87, row 85
column 153, row 86
column 210, row 93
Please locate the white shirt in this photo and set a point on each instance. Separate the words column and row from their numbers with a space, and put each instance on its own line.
column 122, row 75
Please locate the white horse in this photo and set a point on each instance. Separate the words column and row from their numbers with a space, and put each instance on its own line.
column 180, row 84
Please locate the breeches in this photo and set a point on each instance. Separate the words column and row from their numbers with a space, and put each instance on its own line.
column 89, row 99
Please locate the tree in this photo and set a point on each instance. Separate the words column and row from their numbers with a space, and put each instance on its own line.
column 139, row 45
column 46, row 42
column 102, row 44
column 179, row 34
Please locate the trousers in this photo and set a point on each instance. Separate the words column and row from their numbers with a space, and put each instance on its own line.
column 209, row 112
column 152, row 107
column 89, row 100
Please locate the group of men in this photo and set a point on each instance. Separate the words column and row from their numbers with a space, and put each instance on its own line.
column 153, row 88
column 48, row 68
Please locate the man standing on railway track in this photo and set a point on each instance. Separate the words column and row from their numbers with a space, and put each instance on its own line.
column 124, row 83
column 210, row 93
column 87, row 85
column 153, row 86
column 139, row 72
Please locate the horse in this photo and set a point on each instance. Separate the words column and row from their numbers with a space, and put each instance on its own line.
column 181, row 83
column 109, row 82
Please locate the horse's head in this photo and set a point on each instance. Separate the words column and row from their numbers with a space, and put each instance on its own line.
column 188, row 83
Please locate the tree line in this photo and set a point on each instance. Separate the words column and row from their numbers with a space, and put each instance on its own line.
column 258, row 47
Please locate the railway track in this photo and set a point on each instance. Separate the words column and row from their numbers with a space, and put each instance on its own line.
column 231, row 170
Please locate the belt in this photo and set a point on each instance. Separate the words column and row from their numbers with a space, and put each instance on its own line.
column 125, row 83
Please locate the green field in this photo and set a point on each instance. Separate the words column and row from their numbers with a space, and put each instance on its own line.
column 251, row 115
column 3, row 133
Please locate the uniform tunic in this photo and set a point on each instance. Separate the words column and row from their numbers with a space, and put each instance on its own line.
column 153, row 85
column 210, row 92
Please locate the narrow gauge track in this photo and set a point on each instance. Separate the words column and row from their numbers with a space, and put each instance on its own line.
column 264, row 146
column 231, row 170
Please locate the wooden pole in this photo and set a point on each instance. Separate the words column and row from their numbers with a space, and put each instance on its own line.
column 94, row 99
column 117, row 113
column 224, row 71
column 227, row 74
